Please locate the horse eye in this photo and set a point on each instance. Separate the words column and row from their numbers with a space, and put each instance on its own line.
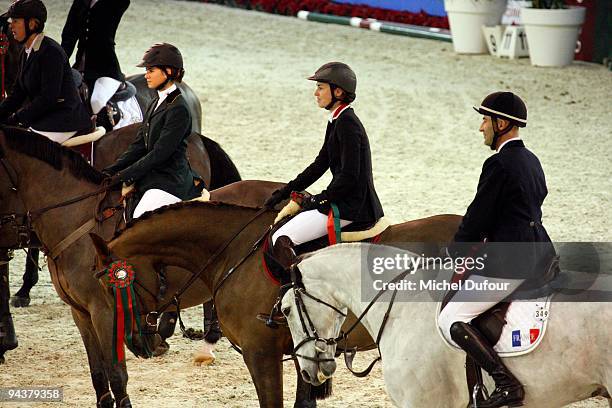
column 286, row 311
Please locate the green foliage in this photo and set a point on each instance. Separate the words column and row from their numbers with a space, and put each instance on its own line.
column 549, row 4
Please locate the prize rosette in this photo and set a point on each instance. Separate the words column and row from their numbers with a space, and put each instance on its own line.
column 126, row 316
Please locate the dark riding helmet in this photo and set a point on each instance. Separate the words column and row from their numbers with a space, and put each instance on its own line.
column 28, row 9
column 162, row 55
column 338, row 74
column 504, row 105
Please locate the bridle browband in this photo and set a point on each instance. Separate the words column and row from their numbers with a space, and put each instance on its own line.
column 299, row 290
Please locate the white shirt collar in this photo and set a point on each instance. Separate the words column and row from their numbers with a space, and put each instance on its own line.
column 334, row 115
column 164, row 94
column 503, row 144
column 28, row 50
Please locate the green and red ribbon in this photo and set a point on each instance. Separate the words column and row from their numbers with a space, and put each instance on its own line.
column 126, row 317
column 333, row 225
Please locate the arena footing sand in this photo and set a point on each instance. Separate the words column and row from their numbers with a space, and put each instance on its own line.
column 414, row 97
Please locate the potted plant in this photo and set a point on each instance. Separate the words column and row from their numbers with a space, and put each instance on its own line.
column 466, row 18
column 552, row 31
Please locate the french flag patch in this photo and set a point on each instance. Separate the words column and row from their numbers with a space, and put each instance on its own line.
column 516, row 338
column 533, row 335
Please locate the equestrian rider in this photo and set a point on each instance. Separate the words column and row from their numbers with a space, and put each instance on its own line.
column 507, row 208
column 93, row 24
column 44, row 97
column 156, row 162
column 346, row 152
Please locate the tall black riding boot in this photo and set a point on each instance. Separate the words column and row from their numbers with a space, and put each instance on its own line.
column 283, row 253
column 508, row 390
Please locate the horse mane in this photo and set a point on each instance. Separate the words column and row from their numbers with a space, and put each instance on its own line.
column 57, row 156
column 176, row 207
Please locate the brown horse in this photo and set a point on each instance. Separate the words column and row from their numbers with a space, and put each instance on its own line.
column 206, row 157
column 28, row 165
column 193, row 237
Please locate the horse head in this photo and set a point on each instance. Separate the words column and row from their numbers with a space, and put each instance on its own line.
column 137, row 278
column 314, row 318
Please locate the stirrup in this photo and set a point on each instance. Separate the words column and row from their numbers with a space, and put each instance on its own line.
column 479, row 387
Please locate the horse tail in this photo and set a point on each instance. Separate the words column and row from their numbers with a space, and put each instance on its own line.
column 322, row 391
column 222, row 168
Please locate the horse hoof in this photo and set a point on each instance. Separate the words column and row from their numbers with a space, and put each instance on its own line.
column 161, row 349
column 18, row 301
column 205, row 356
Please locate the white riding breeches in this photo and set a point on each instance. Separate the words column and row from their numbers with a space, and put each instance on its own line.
column 304, row 227
column 464, row 306
column 58, row 137
column 153, row 199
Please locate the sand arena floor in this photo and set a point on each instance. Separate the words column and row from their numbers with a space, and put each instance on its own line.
column 414, row 98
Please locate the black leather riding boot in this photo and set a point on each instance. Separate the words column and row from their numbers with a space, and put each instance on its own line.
column 508, row 390
column 283, row 253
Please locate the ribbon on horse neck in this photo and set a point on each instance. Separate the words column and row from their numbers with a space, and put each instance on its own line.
column 126, row 319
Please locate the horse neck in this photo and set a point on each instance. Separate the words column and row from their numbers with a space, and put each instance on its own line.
column 42, row 186
column 188, row 236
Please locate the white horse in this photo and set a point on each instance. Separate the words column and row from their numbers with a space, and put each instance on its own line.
column 572, row 363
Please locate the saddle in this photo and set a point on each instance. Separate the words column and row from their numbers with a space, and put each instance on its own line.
column 110, row 101
column 83, row 142
column 491, row 324
column 354, row 232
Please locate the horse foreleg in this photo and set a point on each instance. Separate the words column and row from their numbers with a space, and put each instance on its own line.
column 266, row 371
column 116, row 373
column 302, row 394
column 30, row 278
column 97, row 367
column 8, row 339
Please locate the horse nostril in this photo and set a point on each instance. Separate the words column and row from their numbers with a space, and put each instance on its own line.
column 306, row 376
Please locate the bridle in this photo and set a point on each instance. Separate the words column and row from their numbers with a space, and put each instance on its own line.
column 299, row 290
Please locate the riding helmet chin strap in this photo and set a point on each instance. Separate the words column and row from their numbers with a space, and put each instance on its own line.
column 330, row 105
column 28, row 32
column 163, row 84
column 497, row 133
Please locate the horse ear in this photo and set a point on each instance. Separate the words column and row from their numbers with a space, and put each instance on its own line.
column 102, row 249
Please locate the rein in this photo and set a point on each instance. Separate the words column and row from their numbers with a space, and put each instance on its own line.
column 176, row 297
column 349, row 355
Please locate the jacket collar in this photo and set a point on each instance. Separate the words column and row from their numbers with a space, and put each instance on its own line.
column 168, row 101
column 338, row 111
column 516, row 142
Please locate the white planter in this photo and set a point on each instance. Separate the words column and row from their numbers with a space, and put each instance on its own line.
column 466, row 18
column 552, row 34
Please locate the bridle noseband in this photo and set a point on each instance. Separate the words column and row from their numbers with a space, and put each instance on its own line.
column 298, row 292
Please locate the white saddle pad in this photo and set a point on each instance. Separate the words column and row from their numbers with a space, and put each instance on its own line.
column 525, row 327
column 130, row 113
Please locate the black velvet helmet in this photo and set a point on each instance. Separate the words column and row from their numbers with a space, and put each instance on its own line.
column 27, row 9
column 504, row 105
column 162, row 55
column 338, row 74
